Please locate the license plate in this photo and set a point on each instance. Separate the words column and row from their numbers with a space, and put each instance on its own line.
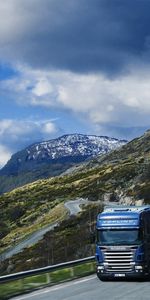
column 119, row 275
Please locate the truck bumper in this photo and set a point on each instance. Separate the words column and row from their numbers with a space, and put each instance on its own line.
column 135, row 274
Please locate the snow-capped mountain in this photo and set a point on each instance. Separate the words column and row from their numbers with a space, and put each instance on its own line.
column 53, row 157
column 72, row 145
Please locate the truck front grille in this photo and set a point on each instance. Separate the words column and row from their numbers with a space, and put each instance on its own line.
column 118, row 260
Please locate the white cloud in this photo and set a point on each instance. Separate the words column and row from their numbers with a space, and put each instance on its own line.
column 15, row 128
column 5, row 155
column 49, row 128
column 42, row 88
column 123, row 101
column 18, row 128
column 18, row 134
column 100, row 98
column 4, row 126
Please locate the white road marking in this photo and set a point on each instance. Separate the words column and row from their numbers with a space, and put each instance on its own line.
column 55, row 288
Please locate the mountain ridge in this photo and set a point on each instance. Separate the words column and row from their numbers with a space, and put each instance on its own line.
column 53, row 157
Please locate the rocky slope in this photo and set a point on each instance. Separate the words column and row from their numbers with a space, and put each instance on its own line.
column 51, row 158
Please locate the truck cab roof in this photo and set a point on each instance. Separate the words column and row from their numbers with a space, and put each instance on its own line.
column 120, row 217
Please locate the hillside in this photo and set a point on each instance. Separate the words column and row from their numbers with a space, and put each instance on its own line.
column 122, row 176
column 51, row 158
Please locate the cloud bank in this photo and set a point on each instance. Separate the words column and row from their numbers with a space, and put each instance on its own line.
column 76, row 35
column 123, row 100
column 88, row 58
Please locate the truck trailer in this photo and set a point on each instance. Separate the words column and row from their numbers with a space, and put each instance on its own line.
column 123, row 242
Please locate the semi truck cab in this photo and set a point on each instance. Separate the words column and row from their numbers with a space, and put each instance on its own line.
column 123, row 242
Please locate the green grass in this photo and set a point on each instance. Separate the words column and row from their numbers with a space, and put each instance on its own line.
column 10, row 289
column 60, row 275
column 84, row 269
column 21, row 286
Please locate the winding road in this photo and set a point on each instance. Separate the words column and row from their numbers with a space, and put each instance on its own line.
column 73, row 207
column 91, row 287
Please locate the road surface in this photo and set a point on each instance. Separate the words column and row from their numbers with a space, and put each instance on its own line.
column 91, row 287
column 73, row 207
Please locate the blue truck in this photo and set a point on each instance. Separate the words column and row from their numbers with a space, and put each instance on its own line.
column 123, row 242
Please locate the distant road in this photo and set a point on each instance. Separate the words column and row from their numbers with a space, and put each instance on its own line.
column 89, row 288
column 73, row 207
column 29, row 241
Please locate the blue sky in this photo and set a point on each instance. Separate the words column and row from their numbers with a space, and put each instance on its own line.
column 73, row 66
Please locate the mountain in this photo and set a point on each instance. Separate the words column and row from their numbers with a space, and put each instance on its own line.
column 122, row 176
column 51, row 158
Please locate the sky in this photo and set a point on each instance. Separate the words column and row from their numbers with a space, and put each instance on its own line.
column 73, row 66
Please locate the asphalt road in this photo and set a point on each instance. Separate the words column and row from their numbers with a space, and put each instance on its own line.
column 91, row 288
column 73, row 207
column 30, row 240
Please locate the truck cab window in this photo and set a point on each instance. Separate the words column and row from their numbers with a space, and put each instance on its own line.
column 118, row 237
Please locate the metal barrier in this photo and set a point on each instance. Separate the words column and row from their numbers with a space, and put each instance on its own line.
column 20, row 275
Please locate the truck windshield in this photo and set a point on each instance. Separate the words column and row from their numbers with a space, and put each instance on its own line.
column 118, row 237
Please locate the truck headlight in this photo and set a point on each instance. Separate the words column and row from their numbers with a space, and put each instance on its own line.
column 138, row 268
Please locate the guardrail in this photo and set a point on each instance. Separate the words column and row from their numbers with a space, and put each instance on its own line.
column 21, row 282
column 11, row 277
